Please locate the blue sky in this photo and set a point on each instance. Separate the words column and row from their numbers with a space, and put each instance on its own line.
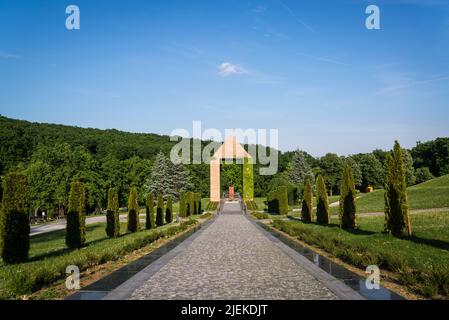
column 308, row 68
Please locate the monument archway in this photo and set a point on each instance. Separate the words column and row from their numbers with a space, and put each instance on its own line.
column 231, row 149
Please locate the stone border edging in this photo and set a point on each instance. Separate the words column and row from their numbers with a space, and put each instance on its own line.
column 341, row 290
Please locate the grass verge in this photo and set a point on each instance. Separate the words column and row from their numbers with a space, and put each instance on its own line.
column 420, row 263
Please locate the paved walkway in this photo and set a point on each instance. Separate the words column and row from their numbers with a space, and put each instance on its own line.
column 232, row 259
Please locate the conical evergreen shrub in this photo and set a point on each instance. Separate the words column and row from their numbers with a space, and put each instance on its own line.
column 160, row 211
column 76, row 219
column 14, row 223
column 397, row 216
column 150, row 222
column 112, row 215
column 190, row 204
column 169, row 210
column 322, row 208
column 182, row 204
column 307, row 202
column 133, row 211
column 348, row 209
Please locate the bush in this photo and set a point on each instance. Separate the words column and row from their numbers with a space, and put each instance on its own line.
column 322, row 208
column 169, row 210
column 307, row 202
column 212, row 206
column 76, row 219
column 149, row 212
column 423, row 175
column 112, row 215
column 348, row 209
column 14, row 224
column 190, row 204
column 199, row 210
column 260, row 215
column 133, row 211
column 251, row 205
column 278, row 201
column 160, row 211
column 397, row 218
column 182, row 204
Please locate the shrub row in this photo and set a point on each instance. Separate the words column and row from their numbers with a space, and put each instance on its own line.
column 212, row 206
column 33, row 276
column 251, row 205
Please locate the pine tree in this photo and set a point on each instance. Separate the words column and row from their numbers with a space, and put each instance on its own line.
column 298, row 169
column 182, row 204
column 180, row 178
column 133, row 211
column 322, row 209
column 160, row 211
column 169, row 210
column 149, row 210
column 112, row 215
column 76, row 219
column 348, row 209
column 14, row 224
column 307, row 202
column 397, row 217
column 160, row 181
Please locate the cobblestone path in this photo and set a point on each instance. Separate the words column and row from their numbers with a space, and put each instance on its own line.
column 232, row 259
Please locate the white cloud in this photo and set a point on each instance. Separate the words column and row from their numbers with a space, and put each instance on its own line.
column 227, row 69
column 7, row 55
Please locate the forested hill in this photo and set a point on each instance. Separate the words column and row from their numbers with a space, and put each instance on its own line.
column 19, row 140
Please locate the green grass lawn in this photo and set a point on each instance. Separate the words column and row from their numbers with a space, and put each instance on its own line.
column 421, row 262
column 428, row 195
column 49, row 255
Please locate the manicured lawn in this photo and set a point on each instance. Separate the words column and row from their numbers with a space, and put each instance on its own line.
column 49, row 256
column 431, row 194
column 421, row 262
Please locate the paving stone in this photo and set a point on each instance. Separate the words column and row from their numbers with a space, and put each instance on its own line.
column 232, row 259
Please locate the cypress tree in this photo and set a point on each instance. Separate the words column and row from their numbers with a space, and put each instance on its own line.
column 200, row 209
column 348, row 209
column 190, row 204
column 133, row 211
column 14, row 224
column 182, row 204
column 76, row 219
column 169, row 210
column 307, row 202
column 397, row 217
column 112, row 215
column 322, row 208
column 149, row 212
column 282, row 196
column 160, row 211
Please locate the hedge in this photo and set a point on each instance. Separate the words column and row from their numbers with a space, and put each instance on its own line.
column 278, row 201
column 76, row 219
column 112, row 215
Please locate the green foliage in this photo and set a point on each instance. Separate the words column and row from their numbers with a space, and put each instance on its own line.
column 190, row 203
column 133, row 211
column 150, row 221
column 433, row 155
column 160, row 211
column 307, row 202
column 299, row 169
column 76, row 220
column 182, row 204
column 14, row 224
column 251, row 205
column 112, row 215
column 423, row 175
column 278, row 201
column 212, row 206
column 169, row 210
column 260, row 215
column 248, row 179
column 348, row 209
column 397, row 217
column 322, row 208
column 331, row 168
column 371, row 170
column 231, row 175
column 197, row 203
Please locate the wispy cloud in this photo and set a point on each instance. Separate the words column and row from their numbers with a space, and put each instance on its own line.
column 259, row 9
column 323, row 59
column 294, row 16
column 397, row 83
column 227, row 69
column 7, row 55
